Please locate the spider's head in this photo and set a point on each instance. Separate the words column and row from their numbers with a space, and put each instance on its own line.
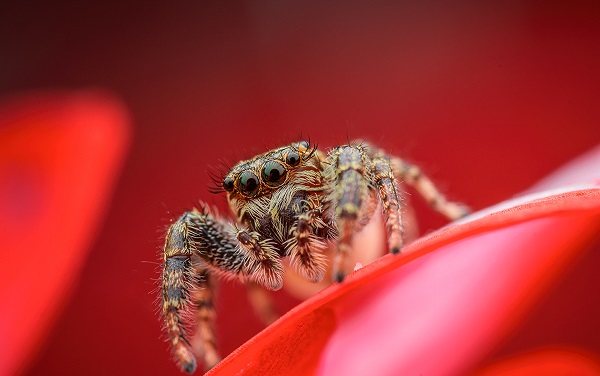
column 266, row 173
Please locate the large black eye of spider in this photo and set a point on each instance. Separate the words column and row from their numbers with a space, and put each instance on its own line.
column 228, row 184
column 248, row 183
column 273, row 173
column 292, row 158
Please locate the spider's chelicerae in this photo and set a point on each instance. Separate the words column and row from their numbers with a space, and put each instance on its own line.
column 288, row 203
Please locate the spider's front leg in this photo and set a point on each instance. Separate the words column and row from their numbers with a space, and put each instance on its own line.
column 349, row 175
column 185, row 287
column 202, row 294
column 197, row 245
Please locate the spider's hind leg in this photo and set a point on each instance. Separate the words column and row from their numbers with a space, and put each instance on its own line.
column 262, row 303
column 414, row 177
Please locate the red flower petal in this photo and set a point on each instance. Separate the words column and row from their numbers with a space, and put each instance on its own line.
column 58, row 158
column 445, row 303
column 546, row 362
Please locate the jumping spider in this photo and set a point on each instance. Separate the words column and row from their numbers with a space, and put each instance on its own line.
column 288, row 202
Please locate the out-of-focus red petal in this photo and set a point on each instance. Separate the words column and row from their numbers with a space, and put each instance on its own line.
column 59, row 155
column 443, row 304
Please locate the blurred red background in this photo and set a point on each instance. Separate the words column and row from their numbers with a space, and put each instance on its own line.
column 486, row 97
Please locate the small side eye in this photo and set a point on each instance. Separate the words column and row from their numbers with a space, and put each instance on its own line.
column 228, row 184
column 292, row 158
column 303, row 145
column 273, row 173
column 248, row 183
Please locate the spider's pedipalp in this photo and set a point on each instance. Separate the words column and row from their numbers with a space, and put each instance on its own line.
column 262, row 263
column 306, row 249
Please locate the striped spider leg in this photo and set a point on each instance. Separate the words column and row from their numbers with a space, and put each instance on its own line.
column 198, row 246
column 361, row 176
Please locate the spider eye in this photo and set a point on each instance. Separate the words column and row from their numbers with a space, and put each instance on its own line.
column 292, row 158
column 248, row 183
column 273, row 173
column 304, row 144
column 228, row 184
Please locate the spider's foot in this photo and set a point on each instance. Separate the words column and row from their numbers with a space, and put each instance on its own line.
column 455, row 211
column 189, row 367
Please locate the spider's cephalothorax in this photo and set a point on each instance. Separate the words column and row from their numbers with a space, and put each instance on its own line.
column 288, row 203
column 277, row 198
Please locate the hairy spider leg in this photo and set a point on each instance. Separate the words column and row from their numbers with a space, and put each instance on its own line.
column 390, row 200
column 202, row 300
column 414, row 177
column 196, row 235
column 261, row 303
column 175, row 288
column 350, row 175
